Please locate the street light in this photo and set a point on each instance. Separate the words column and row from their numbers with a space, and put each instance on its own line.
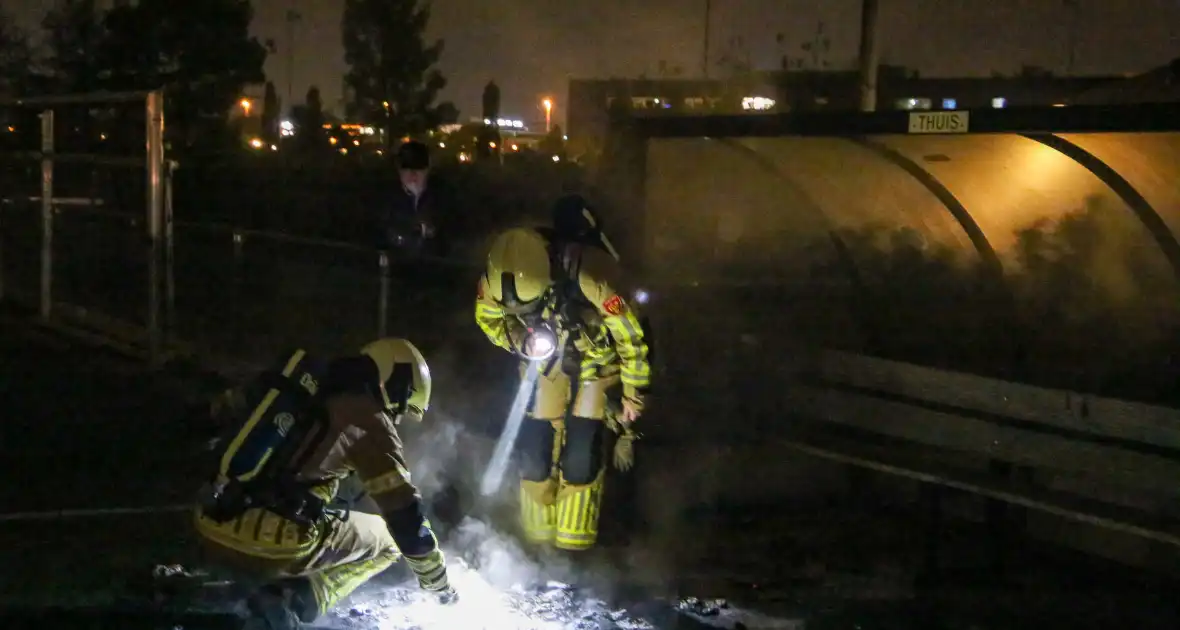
column 548, row 105
column 246, row 105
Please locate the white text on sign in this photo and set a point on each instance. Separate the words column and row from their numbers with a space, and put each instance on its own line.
column 939, row 122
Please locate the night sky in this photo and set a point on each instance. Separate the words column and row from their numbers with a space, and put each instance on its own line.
column 531, row 47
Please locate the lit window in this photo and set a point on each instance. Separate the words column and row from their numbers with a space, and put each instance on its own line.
column 757, row 103
column 999, row 102
column 949, row 103
column 913, row 103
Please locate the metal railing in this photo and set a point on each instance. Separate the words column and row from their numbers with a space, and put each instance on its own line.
column 1099, row 462
column 243, row 277
column 229, row 293
column 147, row 335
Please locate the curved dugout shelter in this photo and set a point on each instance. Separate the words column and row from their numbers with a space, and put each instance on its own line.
column 1077, row 200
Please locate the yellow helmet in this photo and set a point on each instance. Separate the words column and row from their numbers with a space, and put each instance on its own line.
column 518, row 268
column 403, row 375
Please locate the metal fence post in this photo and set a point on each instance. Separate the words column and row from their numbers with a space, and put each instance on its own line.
column 239, row 245
column 238, row 334
column 46, row 214
column 383, row 294
column 154, row 129
column 169, row 256
column 1, row 254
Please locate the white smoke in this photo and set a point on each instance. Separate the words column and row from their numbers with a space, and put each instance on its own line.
column 501, row 585
column 498, row 558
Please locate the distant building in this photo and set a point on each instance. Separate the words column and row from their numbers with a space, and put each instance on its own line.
column 590, row 100
column 460, row 141
column 505, row 124
column 1161, row 85
column 106, row 5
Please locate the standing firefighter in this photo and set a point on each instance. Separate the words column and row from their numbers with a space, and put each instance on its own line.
column 550, row 297
column 293, row 435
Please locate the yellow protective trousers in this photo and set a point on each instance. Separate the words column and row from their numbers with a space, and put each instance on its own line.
column 562, row 458
column 335, row 555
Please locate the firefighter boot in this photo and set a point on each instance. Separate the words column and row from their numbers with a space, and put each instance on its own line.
column 578, row 507
column 538, row 514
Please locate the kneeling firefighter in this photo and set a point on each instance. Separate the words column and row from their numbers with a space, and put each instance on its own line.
column 549, row 296
column 293, row 435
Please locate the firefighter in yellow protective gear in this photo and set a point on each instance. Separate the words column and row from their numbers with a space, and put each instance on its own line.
column 290, row 438
column 547, row 291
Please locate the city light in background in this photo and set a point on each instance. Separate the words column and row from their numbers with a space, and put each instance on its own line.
column 501, row 122
column 757, row 103
column 362, row 139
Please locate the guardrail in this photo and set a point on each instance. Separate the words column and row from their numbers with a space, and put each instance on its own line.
column 1105, row 463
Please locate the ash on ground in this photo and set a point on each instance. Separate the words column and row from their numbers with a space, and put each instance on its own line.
column 503, row 588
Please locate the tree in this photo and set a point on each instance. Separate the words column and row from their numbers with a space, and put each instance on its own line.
column 1028, row 71
column 553, row 143
column 75, row 37
column 309, row 121
column 391, row 68
column 16, row 56
column 445, row 113
column 271, row 112
column 315, row 108
column 488, row 142
column 202, row 52
column 491, row 101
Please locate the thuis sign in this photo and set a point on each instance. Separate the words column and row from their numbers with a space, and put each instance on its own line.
column 939, row 122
